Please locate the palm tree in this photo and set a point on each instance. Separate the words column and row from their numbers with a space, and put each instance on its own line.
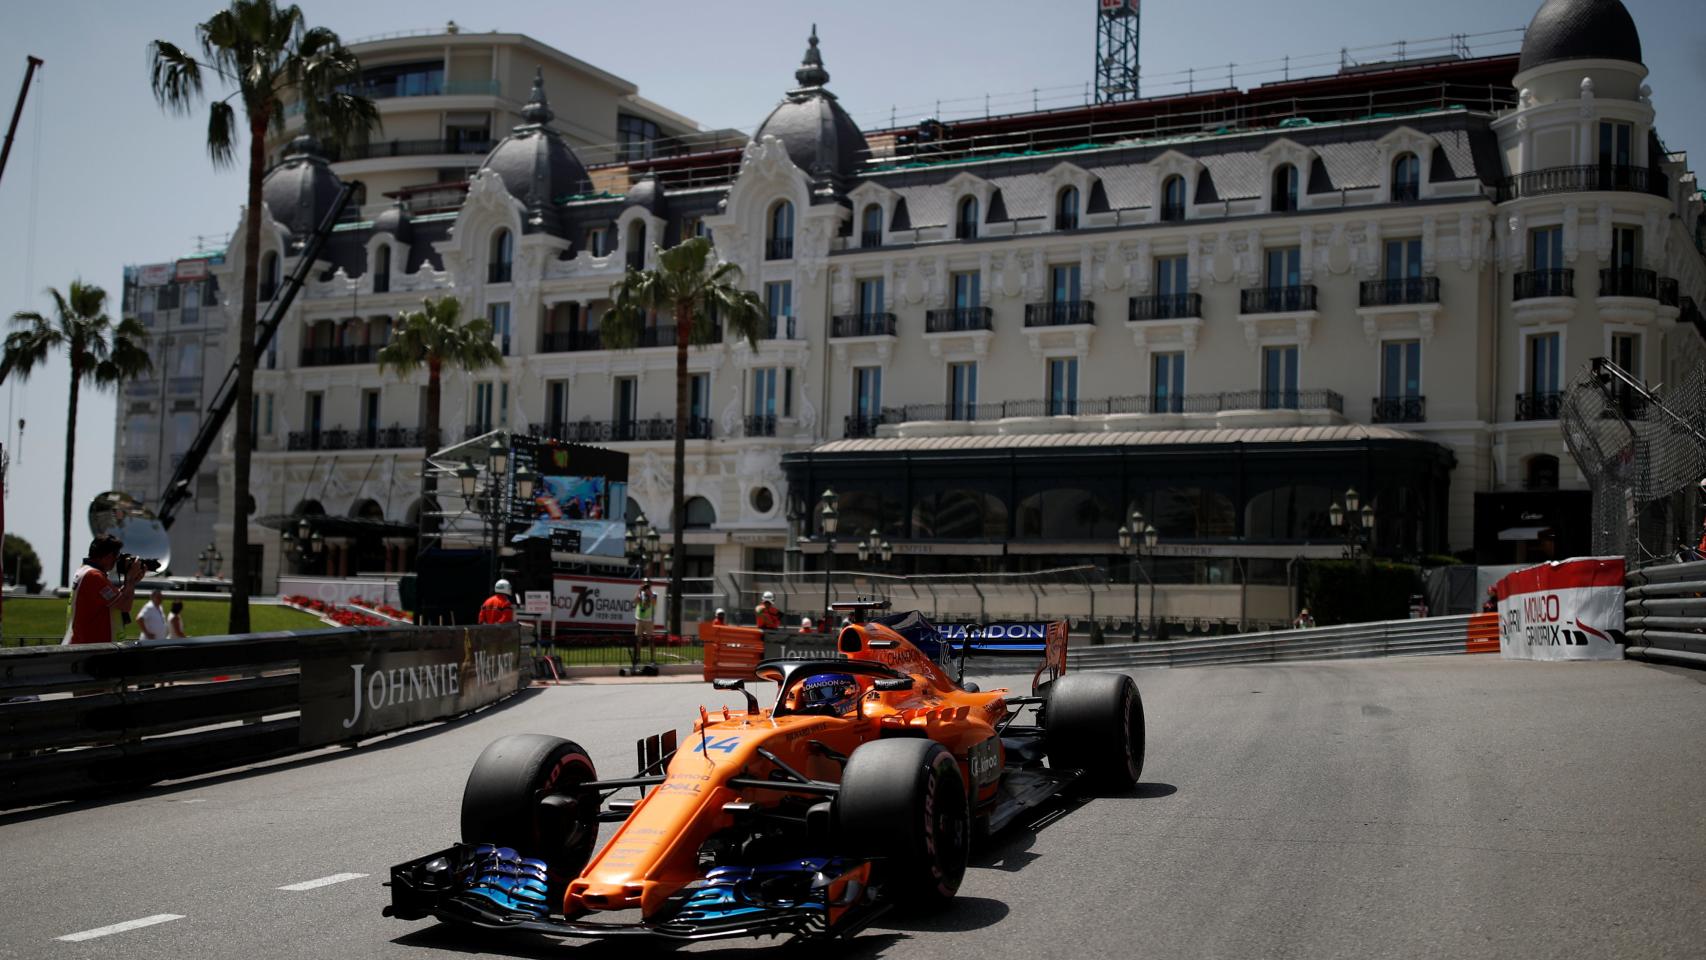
column 265, row 53
column 698, row 293
column 99, row 351
column 435, row 337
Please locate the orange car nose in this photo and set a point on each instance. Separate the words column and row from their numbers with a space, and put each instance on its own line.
column 605, row 896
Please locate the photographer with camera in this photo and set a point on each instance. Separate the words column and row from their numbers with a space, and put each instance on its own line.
column 96, row 601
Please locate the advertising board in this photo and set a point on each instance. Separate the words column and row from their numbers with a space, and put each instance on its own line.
column 379, row 680
column 600, row 602
column 1564, row 610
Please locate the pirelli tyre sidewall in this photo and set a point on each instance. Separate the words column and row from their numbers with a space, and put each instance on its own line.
column 502, row 802
column 903, row 803
column 1094, row 722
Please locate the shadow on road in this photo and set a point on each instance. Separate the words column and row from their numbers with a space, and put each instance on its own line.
column 289, row 762
column 452, row 939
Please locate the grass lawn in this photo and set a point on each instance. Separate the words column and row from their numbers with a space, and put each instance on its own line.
column 42, row 620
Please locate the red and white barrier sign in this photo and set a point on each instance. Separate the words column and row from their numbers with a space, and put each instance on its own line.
column 1565, row 610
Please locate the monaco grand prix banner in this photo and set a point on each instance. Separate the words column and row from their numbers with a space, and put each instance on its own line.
column 1564, row 610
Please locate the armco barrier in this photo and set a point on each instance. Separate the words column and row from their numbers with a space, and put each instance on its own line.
column 1389, row 638
column 93, row 719
column 1664, row 613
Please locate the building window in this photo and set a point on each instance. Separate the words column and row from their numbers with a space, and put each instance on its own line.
column 424, row 79
column 1173, row 198
column 1401, row 369
column 962, row 391
column 1285, row 188
column 871, row 226
column 315, row 418
column 1062, row 386
column 1545, row 362
column 1169, row 383
column 1406, row 178
column 1541, row 472
column 1172, row 276
column 965, row 225
column 1616, row 155
column 1279, row 378
column 693, row 227
column 1066, row 209
column 498, row 313
column 1626, row 352
column 1403, row 259
column 503, row 257
column 269, row 275
column 780, row 245
column 699, row 398
column 871, row 296
column 1546, row 248
column 1625, row 248
column 764, row 392
column 382, row 269
column 483, row 395
column 1285, row 267
column 370, row 418
column 598, row 241
column 192, row 305
column 627, row 402
column 145, row 306
column 967, row 293
column 867, row 392
column 557, row 407
column 1064, row 286
column 635, row 137
column 779, row 303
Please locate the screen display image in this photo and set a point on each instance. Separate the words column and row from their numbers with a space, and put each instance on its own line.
column 580, row 504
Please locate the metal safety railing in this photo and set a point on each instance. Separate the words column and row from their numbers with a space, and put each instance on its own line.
column 1664, row 613
column 1389, row 638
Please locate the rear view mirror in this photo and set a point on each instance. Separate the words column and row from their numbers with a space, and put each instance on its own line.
column 891, row 684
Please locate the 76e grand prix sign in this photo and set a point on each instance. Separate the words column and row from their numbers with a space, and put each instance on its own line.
column 599, row 602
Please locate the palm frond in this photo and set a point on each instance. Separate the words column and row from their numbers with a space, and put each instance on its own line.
column 174, row 76
column 222, row 135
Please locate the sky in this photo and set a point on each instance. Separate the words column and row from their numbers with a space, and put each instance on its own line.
column 100, row 177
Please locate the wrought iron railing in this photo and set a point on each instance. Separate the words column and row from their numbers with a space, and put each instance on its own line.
column 1278, row 299
column 1059, row 313
column 367, row 438
column 1529, row 284
column 779, row 248
column 1400, row 409
column 1165, row 306
column 862, row 325
column 570, row 341
column 862, row 425
column 959, row 319
column 870, row 238
column 338, row 356
column 650, row 429
column 1585, row 177
column 1629, row 282
column 780, row 328
column 1538, row 406
column 1668, row 291
column 1172, row 212
column 1406, row 192
column 415, row 148
column 1400, row 291
column 760, row 425
column 498, row 272
column 1178, row 403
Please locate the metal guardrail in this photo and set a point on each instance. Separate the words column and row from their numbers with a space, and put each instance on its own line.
column 1664, row 613
column 81, row 721
column 1389, row 638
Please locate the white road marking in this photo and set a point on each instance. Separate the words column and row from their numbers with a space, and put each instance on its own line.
column 120, row 927
column 192, row 800
column 324, row 881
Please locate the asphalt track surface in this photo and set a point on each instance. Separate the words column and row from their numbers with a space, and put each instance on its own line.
column 1427, row 807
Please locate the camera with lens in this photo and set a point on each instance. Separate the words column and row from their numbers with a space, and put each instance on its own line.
column 149, row 564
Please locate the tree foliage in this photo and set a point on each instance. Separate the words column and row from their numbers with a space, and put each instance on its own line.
column 22, row 565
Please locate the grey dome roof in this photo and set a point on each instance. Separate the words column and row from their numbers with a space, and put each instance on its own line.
column 301, row 189
column 818, row 134
column 395, row 221
column 536, row 165
column 1580, row 30
column 648, row 195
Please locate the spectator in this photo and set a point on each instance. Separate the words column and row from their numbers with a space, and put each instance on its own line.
column 769, row 618
column 96, row 602
column 806, row 625
column 1491, row 604
column 721, row 619
column 175, row 622
column 1304, row 621
column 500, row 606
column 152, row 619
column 645, row 611
column 823, row 624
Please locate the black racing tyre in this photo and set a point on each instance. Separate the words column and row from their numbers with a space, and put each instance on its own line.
column 903, row 803
column 502, row 802
column 1094, row 722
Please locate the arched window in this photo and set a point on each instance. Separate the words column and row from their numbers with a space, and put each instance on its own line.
column 1406, row 178
column 699, row 512
column 636, row 244
column 1066, row 513
column 382, row 268
column 780, row 246
column 503, row 257
column 1541, row 472
column 1173, row 198
column 871, row 226
column 965, row 226
column 1285, row 188
column 959, row 514
column 1066, row 209
column 269, row 275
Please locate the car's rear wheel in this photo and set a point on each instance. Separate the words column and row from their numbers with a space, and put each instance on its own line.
column 523, row 793
column 1094, row 722
column 903, row 803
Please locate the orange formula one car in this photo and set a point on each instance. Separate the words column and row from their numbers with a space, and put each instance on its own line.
column 863, row 785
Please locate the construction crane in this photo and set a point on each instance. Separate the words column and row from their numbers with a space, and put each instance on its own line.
column 1116, row 50
column 18, row 111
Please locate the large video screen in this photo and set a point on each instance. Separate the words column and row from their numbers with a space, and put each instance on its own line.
column 578, row 513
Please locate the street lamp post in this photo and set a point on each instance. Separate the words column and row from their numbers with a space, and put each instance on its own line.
column 875, row 547
column 1135, row 540
column 492, row 509
column 1353, row 520
column 830, row 518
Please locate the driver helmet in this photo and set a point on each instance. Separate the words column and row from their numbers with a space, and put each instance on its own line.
column 829, row 694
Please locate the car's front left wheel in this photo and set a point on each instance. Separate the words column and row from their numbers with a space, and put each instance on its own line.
column 903, row 804
column 523, row 794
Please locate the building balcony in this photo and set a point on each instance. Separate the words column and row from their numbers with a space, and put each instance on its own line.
column 1534, row 284
column 779, row 248
column 1406, row 192
column 862, row 325
column 1400, row 410
column 870, row 238
column 1668, row 292
column 1235, row 400
column 570, row 341
column 1172, row 212
column 1060, row 313
column 1403, row 291
column 664, row 336
column 1296, row 299
column 862, row 426
column 368, row 438
column 759, row 425
column 498, row 272
column 338, row 356
column 651, row 429
column 1629, row 282
column 959, row 320
column 1584, row 178
column 452, row 146
column 1538, row 406
column 780, row 328
column 1165, row 306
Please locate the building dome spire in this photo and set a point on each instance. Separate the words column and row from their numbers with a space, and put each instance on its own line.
column 537, row 111
column 811, row 72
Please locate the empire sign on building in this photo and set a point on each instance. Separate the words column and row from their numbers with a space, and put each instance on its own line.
column 995, row 338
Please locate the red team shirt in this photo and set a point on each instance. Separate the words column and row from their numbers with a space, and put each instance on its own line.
column 92, row 614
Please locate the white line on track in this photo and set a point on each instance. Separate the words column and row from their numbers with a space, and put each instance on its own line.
column 323, row 881
column 120, row 927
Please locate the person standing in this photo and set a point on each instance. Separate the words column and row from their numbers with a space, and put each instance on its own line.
column 1304, row 621
column 645, row 611
column 152, row 619
column 769, row 618
column 499, row 607
column 175, row 622
column 97, row 602
column 806, row 625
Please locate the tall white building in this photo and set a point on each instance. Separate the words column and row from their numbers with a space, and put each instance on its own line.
column 997, row 338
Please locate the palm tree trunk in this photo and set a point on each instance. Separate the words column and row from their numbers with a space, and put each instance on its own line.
column 429, row 440
column 70, row 462
column 244, row 439
column 678, row 496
